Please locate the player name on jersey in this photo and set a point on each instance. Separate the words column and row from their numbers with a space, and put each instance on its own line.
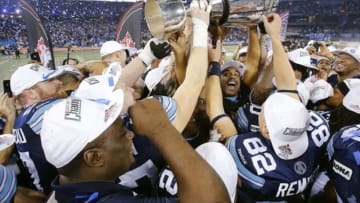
column 295, row 187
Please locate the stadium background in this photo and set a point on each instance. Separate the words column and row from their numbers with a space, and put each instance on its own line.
column 87, row 24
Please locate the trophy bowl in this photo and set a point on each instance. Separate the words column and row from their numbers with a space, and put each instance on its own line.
column 164, row 17
column 232, row 13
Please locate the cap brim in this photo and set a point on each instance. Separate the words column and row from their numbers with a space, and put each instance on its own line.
column 290, row 150
column 337, row 52
column 288, row 147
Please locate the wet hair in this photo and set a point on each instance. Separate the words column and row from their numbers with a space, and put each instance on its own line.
column 341, row 117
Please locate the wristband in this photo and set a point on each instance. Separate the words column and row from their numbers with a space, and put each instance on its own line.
column 200, row 33
column 218, row 117
column 214, row 69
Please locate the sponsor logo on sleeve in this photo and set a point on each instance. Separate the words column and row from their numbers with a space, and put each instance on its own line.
column 342, row 170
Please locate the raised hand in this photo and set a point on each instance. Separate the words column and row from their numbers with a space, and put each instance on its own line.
column 155, row 49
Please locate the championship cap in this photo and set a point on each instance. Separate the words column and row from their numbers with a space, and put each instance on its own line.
column 351, row 51
column 352, row 100
column 348, row 84
column 100, row 86
column 220, row 159
column 154, row 76
column 73, row 123
column 27, row 76
column 6, row 140
column 303, row 91
column 110, row 47
column 301, row 57
column 286, row 120
column 223, row 163
column 320, row 90
column 60, row 70
column 240, row 67
column 243, row 50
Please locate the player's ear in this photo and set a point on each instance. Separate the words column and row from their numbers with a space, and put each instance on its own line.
column 94, row 157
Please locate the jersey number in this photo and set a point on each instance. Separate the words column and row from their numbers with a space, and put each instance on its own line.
column 261, row 159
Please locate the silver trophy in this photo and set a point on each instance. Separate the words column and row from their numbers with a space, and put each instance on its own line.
column 240, row 12
column 164, row 17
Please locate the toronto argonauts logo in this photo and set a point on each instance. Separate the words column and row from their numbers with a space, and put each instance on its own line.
column 300, row 168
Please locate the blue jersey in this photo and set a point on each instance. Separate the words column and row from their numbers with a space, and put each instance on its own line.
column 246, row 118
column 344, row 155
column 333, row 80
column 27, row 131
column 265, row 176
column 142, row 178
column 91, row 192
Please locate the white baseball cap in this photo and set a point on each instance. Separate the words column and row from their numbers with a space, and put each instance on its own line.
column 303, row 90
column 351, row 51
column 223, row 163
column 73, row 123
column 110, row 47
column 99, row 87
column 301, row 57
column 60, row 70
column 320, row 90
column 27, row 76
column 352, row 100
column 348, row 84
column 6, row 140
column 154, row 76
column 243, row 50
column 240, row 67
column 286, row 120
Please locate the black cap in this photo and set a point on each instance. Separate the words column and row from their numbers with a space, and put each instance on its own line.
column 35, row 56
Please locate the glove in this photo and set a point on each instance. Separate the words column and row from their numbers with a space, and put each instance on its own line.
column 155, row 49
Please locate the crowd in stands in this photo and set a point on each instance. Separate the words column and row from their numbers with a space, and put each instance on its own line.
column 90, row 23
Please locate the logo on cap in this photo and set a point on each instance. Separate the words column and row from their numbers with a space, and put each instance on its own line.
column 300, row 168
column 285, row 150
column 46, row 76
column 110, row 112
column 73, row 109
column 34, row 67
column 92, row 81
column 294, row 131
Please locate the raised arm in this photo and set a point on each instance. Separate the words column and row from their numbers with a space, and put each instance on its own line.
column 179, row 47
column 154, row 49
column 214, row 100
column 194, row 176
column 187, row 94
column 284, row 74
column 252, row 57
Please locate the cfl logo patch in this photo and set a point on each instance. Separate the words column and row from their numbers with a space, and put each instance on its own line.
column 342, row 170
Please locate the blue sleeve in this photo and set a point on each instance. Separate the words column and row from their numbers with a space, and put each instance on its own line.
column 169, row 105
column 35, row 122
column 344, row 154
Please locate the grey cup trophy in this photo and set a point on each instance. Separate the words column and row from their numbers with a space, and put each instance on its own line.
column 164, row 17
column 232, row 13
